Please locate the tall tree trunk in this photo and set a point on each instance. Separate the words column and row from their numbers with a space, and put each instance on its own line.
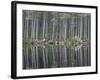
column 44, row 22
column 53, row 30
column 37, row 27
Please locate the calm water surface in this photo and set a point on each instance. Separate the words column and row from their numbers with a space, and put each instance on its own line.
column 35, row 57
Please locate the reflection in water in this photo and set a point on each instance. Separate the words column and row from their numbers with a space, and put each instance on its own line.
column 55, row 56
column 56, row 39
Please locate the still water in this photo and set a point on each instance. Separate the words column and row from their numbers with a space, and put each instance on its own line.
column 35, row 57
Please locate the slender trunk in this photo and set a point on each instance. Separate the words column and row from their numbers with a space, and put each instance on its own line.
column 46, row 26
column 44, row 22
column 32, row 27
column 53, row 30
column 27, row 26
column 37, row 27
column 81, row 27
column 65, row 29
